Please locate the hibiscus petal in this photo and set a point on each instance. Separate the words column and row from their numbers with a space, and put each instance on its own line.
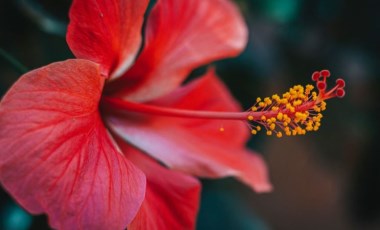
column 180, row 36
column 56, row 155
column 171, row 200
column 106, row 32
column 195, row 146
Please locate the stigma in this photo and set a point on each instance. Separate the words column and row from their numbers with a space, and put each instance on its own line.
column 296, row 112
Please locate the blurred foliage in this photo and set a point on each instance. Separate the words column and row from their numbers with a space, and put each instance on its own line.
column 325, row 180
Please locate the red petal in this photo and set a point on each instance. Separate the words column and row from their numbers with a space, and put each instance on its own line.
column 106, row 32
column 196, row 146
column 56, row 155
column 180, row 36
column 171, row 200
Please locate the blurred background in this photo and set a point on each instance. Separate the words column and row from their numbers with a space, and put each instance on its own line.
column 324, row 180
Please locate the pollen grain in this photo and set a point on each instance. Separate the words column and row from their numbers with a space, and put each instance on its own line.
column 297, row 111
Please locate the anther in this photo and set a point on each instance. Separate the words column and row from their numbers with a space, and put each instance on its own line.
column 298, row 111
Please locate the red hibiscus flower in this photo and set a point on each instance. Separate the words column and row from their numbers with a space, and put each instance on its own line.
column 90, row 141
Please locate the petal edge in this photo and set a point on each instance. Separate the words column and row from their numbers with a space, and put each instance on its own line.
column 63, row 162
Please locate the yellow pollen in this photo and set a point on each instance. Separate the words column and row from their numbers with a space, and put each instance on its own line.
column 221, row 129
column 284, row 101
column 297, row 102
column 275, row 97
column 280, row 116
column 295, row 112
column 275, row 108
column 267, row 101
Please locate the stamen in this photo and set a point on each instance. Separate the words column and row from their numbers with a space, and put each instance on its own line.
column 298, row 111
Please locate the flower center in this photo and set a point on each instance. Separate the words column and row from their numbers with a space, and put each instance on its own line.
column 294, row 113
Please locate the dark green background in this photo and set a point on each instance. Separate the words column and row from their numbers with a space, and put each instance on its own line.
column 324, row 180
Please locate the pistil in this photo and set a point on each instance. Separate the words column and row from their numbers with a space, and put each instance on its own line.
column 118, row 104
column 294, row 113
